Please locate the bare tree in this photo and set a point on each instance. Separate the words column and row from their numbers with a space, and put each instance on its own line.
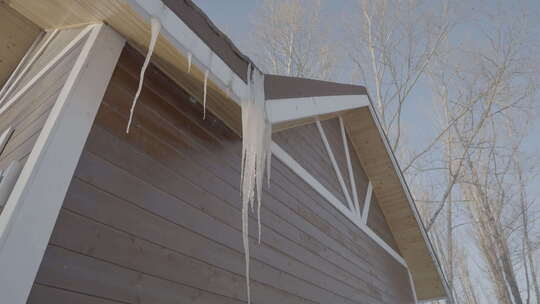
column 290, row 38
column 395, row 41
column 486, row 90
column 526, row 212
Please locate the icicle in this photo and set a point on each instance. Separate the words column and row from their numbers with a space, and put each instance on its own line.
column 256, row 139
column 189, row 62
column 156, row 27
column 205, row 90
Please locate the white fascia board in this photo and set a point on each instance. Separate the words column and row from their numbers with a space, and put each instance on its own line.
column 187, row 42
column 282, row 110
column 32, row 208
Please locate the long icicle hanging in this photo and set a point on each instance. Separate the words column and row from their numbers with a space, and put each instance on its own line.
column 256, row 155
column 155, row 28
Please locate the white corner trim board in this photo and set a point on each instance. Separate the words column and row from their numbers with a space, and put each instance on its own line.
column 290, row 162
column 33, row 206
column 282, row 110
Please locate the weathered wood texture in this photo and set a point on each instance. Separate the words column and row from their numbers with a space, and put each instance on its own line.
column 28, row 114
column 16, row 36
column 154, row 217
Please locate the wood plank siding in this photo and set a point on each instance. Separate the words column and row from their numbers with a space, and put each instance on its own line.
column 155, row 216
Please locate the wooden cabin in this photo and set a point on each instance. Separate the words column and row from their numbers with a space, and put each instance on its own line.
column 90, row 214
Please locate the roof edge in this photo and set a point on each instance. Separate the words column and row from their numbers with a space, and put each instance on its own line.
column 282, row 87
column 410, row 199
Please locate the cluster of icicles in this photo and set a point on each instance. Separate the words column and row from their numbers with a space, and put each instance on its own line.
column 256, row 155
column 256, row 139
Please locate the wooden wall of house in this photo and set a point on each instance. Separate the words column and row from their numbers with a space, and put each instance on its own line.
column 154, row 217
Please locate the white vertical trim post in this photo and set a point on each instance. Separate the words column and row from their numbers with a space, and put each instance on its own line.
column 349, row 167
column 31, row 211
column 367, row 203
column 335, row 165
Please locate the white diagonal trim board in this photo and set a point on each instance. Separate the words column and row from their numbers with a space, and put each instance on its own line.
column 45, row 69
column 27, row 66
column 413, row 288
column 349, row 167
column 30, row 213
column 300, row 171
column 290, row 162
column 20, row 65
column 367, row 203
column 335, row 165
column 288, row 109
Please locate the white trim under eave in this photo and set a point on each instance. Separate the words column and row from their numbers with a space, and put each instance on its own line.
column 33, row 206
column 188, row 43
column 282, row 110
column 290, row 162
